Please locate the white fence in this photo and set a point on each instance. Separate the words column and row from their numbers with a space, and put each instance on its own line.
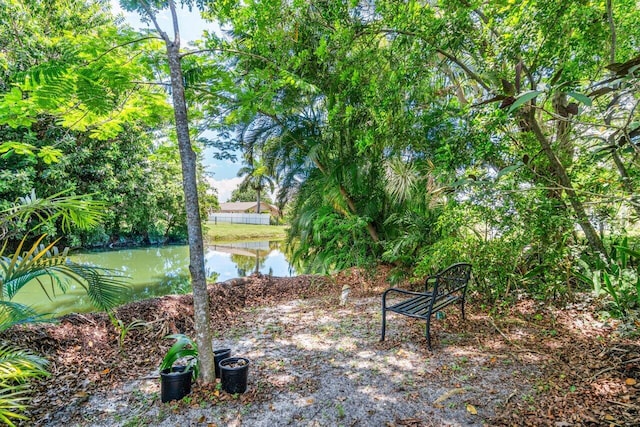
column 240, row 218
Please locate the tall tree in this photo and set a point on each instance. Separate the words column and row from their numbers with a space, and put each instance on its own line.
column 149, row 10
column 536, row 61
column 257, row 178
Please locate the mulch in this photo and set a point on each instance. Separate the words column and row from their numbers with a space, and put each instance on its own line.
column 590, row 373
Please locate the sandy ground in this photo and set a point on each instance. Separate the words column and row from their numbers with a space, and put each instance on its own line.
column 317, row 363
column 313, row 365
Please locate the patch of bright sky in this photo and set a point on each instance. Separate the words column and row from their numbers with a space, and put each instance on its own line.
column 222, row 173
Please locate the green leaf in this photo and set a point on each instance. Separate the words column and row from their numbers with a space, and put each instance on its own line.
column 508, row 169
column 523, row 99
column 628, row 251
column 580, row 98
column 50, row 154
column 184, row 347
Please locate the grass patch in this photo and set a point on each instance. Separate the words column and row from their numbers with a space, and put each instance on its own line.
column 224, row 232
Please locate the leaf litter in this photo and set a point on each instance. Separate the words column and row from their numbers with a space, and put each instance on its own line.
column 316, row 360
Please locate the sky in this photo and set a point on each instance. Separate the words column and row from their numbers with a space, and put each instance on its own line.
column 222, row 173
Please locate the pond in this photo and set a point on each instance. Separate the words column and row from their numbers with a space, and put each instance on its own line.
column 163, row 270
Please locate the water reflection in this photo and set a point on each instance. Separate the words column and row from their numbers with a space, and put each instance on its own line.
column 157, row 271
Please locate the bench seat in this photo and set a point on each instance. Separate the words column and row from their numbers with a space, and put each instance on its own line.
column 447, row 287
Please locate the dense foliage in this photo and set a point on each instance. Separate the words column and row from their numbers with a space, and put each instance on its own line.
column 48, row 267
column 503, row 133
column 81, row 112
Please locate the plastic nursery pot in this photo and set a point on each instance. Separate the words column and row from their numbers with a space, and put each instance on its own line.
column 219, row 355
column 175, row 383
column 234, row 372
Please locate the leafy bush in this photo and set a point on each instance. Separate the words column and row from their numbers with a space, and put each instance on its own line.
column 619, row 279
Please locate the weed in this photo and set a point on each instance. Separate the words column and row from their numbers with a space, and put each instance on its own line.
column 340, row 410
column 135, row 421
column 528, row 398
column 123, row 329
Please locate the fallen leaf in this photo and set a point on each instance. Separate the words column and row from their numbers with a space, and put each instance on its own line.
column 630, row 381
column 447, row 394
column 105, row 371
column 472, row 409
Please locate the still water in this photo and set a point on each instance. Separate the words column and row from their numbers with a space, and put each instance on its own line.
column 164, row 270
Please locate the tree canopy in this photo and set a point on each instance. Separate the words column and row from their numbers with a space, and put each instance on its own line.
column 84, row 109
column 424, row 133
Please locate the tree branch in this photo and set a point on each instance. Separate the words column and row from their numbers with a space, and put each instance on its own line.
column 174, row 19
column 152, row 17
column 108, row 51
column 612, row 28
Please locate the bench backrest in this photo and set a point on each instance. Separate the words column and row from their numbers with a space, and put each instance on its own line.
column 452, row 279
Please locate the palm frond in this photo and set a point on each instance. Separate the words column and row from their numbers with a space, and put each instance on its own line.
column 13, row 313
column 105, row 288
column 70, row 209
column 17, row 367
column 22, row 267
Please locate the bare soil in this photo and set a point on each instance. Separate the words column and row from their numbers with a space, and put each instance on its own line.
column 315, row 362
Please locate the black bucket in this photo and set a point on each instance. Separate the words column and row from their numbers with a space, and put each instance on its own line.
column 219, row 355
column 175, row 383
column 234, row 372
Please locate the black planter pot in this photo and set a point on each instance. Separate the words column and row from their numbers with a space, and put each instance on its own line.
column 234, row 372
column 175, row 383
column 219, row 355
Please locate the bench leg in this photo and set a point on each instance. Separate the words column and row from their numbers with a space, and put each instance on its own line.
column 462, row 307
column 428, row 334
column 384, row 318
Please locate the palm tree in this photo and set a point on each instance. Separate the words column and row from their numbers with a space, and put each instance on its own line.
column 49, row 266
column 17, row 367
column 257, row 177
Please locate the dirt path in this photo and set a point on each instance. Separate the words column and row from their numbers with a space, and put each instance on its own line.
column 314, row 363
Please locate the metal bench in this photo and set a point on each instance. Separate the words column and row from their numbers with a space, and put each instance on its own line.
column 442, row 289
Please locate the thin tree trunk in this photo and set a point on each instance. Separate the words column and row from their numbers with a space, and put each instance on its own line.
column 190, row 188
column 626, row 181
column 373, row 233
column 194, row 223
column 560, row 172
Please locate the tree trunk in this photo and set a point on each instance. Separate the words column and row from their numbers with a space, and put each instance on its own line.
column 194, row 224
column 560, row 172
